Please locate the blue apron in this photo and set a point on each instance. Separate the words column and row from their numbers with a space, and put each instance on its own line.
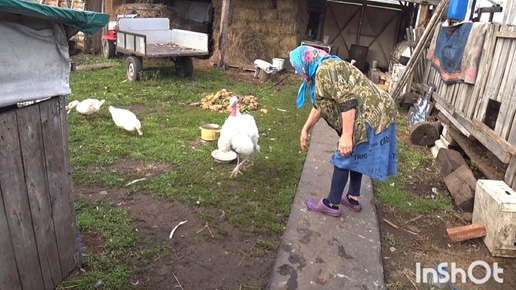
column 376, row 158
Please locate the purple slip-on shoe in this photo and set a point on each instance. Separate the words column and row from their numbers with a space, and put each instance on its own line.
column 353, row 207
column 318, row 206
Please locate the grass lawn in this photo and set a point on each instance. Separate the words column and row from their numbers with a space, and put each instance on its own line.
column 256, row 203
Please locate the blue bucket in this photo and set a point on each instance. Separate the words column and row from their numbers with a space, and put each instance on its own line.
column 457, row 10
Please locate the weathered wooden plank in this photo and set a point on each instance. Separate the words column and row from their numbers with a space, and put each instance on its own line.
column 479, row 156
column 9, row 278
column 30, row 133
column 483, row 73
column 506, row 34
column 500, row 148
column 447, row 111
column 453, row 98
column 59, row 186
column 491, row 65
column 16, row 202
column 509, row 46
column 495, row 77
column 68, row 165
column 508, row 104
column 512, row 134
column 509, row 13
column 465, row 97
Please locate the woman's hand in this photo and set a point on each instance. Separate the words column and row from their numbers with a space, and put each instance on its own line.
column 345, row 145
column 303, row 139
column 310, row 122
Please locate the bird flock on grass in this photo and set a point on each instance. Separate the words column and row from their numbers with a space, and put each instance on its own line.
column 239, row 133
column 123, row 118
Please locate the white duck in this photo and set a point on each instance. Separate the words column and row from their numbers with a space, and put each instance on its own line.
column 125, row 119
column 86, row 108
column 71, row 105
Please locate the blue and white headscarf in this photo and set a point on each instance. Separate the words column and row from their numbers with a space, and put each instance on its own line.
column 305, row 59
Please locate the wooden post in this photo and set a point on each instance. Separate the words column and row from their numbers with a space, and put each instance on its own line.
column 224, row 26
column 463, row 233
column 419, row 48
column 422, row 21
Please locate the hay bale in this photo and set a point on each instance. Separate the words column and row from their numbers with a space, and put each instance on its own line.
column 292, row 5
column 261, row 4
column 269, row 15
column 242, row 48
column 275, row 31
column 148, row 10
column 286, row 45
column 246, row 14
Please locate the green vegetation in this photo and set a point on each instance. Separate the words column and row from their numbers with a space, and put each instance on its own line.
column 257, row 202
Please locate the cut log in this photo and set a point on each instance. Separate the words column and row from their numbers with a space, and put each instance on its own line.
column 424, row 133
column 460, row 191
column 449, row 160
column 463, row 233
column 262, row 75
column 466, row 175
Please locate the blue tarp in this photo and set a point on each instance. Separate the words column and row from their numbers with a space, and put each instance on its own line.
column 86, row 21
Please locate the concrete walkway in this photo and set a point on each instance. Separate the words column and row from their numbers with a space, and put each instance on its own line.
column 323, row 252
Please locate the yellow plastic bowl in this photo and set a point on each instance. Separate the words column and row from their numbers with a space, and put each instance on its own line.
column 210, row 132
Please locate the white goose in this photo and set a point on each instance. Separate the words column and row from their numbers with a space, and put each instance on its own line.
column 125, row 119
column 86, row 108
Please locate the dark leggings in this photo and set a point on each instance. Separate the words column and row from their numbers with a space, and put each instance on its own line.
column 338, row 183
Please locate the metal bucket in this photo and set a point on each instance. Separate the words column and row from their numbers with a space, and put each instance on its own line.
column 210, row 132
column 359, row 54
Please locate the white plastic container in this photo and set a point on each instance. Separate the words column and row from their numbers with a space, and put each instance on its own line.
column 278, row 63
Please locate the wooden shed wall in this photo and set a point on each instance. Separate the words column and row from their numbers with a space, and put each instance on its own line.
column 39, row 242
column 377, row 30
column 486, row 110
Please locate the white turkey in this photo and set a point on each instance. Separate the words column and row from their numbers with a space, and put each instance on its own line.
column 239, row 134
column 125, row 119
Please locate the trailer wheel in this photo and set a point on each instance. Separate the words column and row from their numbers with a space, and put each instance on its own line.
column 134, row 68
column 108, row 48
column 184, row 65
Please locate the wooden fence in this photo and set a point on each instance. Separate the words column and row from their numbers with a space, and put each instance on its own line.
column 486, row 110
column 38, row 240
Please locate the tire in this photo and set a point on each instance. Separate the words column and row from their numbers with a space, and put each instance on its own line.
column 184, row 65
column 134, row 68
column 108, row 48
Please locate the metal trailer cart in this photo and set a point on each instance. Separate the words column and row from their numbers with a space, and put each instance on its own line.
column 152, row 38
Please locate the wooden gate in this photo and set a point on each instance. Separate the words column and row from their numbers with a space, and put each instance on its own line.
column 38, row 240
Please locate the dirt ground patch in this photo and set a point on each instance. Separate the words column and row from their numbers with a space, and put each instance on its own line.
column 217, row 256
column 198, row 256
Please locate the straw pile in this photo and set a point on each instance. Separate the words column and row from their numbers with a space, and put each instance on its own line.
column 148, row 10
column 259, row 30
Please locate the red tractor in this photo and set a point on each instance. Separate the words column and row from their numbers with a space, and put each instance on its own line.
column 109, row 39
